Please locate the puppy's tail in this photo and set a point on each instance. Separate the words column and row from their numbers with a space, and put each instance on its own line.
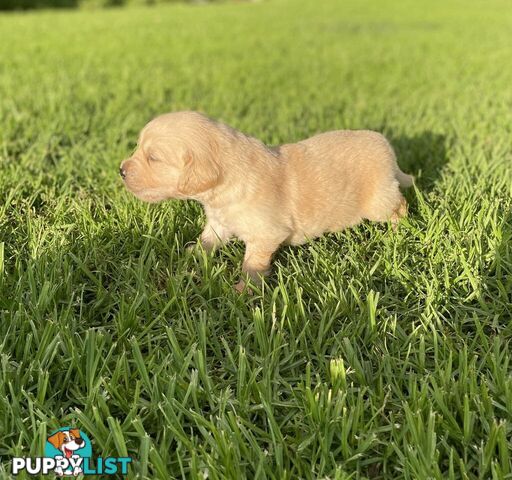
column 404, row 180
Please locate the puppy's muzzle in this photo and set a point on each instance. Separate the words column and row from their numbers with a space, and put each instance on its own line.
column 122, row 172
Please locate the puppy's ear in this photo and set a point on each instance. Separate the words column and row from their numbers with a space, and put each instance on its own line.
column 57, row 439
column 200, row 173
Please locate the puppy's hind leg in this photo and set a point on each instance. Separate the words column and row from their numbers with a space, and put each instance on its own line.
column 398, row 213
column 388, row 205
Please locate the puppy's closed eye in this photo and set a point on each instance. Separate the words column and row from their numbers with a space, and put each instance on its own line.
column 152, row 155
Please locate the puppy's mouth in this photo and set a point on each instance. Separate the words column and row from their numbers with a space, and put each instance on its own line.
column 147, row 195
column 137, row 191
column 68, row 452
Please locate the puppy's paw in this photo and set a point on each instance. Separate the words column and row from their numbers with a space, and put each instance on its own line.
column 191, row 247
column 241, row 286
column 195, row 247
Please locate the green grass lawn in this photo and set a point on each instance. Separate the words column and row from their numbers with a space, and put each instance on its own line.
column 367, row 354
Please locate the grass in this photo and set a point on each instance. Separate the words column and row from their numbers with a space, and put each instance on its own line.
column 367, row 354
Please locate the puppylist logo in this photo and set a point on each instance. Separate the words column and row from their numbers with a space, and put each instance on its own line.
column 68, row 452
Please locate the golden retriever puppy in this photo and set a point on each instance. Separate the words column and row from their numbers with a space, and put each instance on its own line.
column 266, row 196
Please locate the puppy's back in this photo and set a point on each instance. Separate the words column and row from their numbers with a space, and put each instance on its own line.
column 347, row 146
column 332, row 176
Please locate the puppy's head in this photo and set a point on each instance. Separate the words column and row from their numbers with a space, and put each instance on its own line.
column 67, row 441
column 176, row 157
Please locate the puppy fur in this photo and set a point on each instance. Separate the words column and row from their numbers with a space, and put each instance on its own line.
column 262, row 195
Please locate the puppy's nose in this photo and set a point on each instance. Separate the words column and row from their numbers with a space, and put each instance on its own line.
column 122, row 172
column 79, row 441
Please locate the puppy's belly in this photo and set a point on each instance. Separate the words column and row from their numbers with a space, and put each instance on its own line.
column 326, row 214
column 312, row 231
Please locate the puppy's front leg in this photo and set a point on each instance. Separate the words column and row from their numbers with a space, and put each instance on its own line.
column 213, row 236
column 256, row 261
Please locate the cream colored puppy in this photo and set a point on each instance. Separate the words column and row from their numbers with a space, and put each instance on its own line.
column 266, row 196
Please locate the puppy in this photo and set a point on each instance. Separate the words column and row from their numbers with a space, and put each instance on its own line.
column 67, row 441
column 266, row 196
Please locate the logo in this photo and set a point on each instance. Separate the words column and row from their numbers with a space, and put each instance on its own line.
column 68, row 452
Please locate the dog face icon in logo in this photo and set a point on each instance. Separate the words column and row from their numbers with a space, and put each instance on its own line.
column 69, row 446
